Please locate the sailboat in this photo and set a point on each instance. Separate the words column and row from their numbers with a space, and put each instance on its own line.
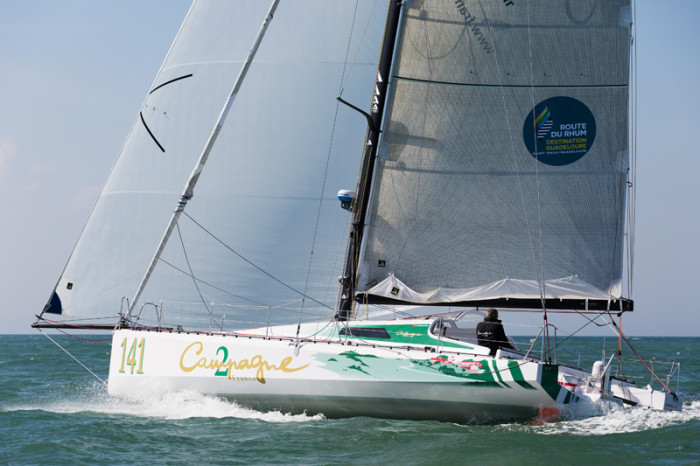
column 492, row 144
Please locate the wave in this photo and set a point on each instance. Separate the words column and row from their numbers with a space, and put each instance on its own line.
column 614, row 420
column 172, row 406
column 587, row 420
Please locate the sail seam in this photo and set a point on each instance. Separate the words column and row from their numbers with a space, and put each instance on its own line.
column 517, row 86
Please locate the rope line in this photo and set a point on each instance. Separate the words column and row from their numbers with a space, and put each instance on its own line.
column 252, row 264
column 187, row 260
column 211, row 285
column 325, row 171
column 74, row 358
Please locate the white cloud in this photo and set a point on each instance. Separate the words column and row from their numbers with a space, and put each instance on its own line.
column 36, row 174
column 20, row 173
column 7, row 154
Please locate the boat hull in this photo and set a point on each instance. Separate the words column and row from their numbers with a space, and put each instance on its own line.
column 332, row 377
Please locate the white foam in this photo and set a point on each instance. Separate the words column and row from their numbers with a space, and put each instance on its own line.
column 174, row 405
column 596, row 420
column 623, row 420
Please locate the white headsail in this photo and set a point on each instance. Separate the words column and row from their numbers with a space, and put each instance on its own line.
column 260, row 193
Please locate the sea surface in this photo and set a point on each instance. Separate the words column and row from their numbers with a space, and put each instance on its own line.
column 53, row 411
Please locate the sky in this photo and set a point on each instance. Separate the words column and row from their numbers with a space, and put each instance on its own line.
column 73, row 75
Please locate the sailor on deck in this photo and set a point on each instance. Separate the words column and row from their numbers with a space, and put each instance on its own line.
column 490, row 333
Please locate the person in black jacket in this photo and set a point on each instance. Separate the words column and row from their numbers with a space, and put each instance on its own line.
column 490, row 333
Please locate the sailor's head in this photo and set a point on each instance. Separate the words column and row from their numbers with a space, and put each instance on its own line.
column 492, row 314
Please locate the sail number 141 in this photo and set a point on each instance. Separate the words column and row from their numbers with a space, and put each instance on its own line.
column 134, row 357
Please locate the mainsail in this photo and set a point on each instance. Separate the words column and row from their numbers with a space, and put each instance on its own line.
column 259, row 209
column 502, row 170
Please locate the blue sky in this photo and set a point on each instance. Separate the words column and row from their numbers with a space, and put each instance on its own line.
column 74, row 73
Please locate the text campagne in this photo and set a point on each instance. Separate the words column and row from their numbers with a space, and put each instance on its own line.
column 224, row 366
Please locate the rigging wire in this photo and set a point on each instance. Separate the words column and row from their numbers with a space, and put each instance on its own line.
column 346, row 76
column 328, row 157
column 251, row 263
column 342, row 240
column 83, row 338
column 187, row 260
column 325, row 172
column 641, row 359
column 77, row 319
column 74, row 358
column 212, row 285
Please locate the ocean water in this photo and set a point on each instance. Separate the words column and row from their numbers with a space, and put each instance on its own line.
column 53, row 411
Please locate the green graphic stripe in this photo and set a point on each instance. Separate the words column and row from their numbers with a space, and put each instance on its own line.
column 548, row 380
column 518, row 376
column 498, row 373
column 567, row 399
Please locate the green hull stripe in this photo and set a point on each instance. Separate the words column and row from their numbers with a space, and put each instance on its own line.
column 567, row 399
column 518, row 376
column 498, row 373
column 549, row 374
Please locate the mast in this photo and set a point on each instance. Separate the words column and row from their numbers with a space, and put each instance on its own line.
column 364, row 184
column 188, row 192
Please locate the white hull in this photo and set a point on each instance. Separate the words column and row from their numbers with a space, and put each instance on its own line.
column 333, row 378
column 609, row 389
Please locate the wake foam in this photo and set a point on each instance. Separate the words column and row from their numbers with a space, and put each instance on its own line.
column 614, row 420
column 587, row 420
column 173, row 406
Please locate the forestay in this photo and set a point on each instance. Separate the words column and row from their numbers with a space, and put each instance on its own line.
column 259, row 196
column 503, row 166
